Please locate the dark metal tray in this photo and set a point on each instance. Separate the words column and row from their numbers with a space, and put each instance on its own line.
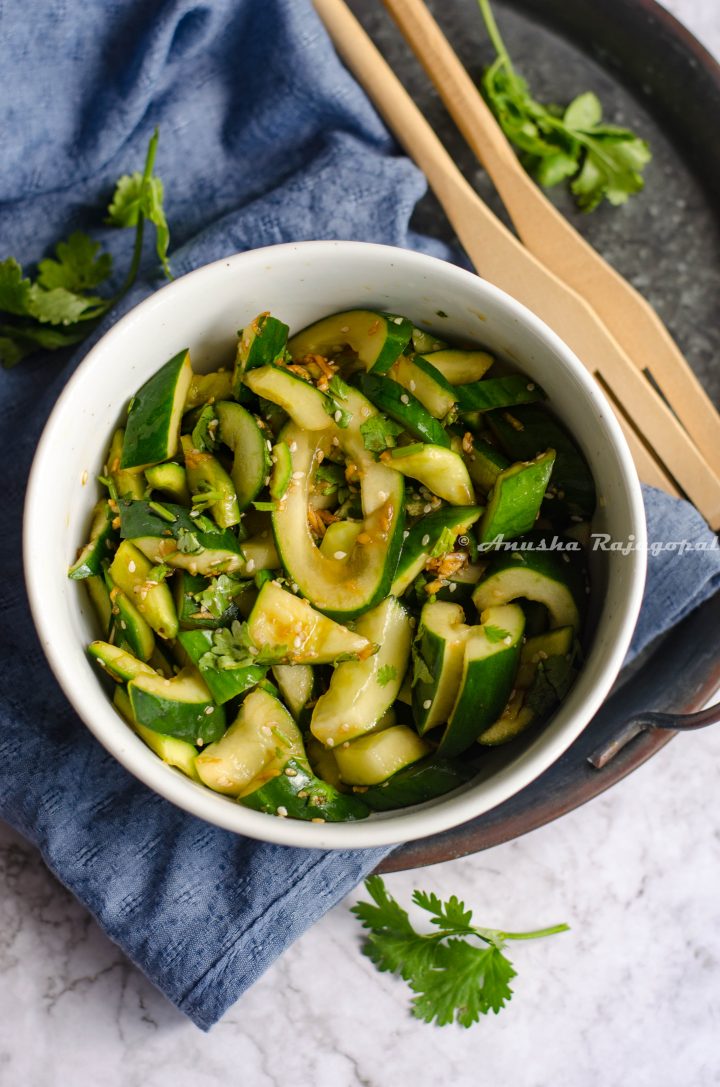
column 652, row 75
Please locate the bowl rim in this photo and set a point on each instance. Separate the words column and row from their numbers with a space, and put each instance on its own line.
column 382, row 829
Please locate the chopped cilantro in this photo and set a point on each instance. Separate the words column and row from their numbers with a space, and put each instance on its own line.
column 187, row 542
column 495, row 634
column 445, row 543
column 421, row 672
column 234, row 648
column 379, row 433
column 386, row 674
column 219, row 594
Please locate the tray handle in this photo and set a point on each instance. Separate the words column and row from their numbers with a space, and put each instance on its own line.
column 649, row 722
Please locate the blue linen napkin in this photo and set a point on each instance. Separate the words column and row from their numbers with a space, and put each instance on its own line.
column 264, row 138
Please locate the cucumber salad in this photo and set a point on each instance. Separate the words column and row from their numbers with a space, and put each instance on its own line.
column 329, row 577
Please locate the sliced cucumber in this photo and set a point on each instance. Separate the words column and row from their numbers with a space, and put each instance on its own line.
column 377, row 756
column 423, row 537
column 490, row 662
column 441, row 645
column 129, row 483
column 305, row 404
column 515, row 499
column 118, row 663
column 539, row 575
column 180, row 707
column 206, row 477
column 297, row 686
column 131, row 571
column 441, row 470
column 459, row 367
column 542, row 647
column 241, row 432
column 525, row 432
column 280, row 619
column 376, row 338
column 100, row 599
column 171, row 479
column 260, row 343
column 339, row 539
column 417, row 783
column 173, row 536
column 498, row 392
column 129, row 628
column 261, row 740
column 348, row 587
column 360, row 692
column 281, row 470
column 404, row 408
column 296, row 793
column 223, row 683
column 485, row 463
column 207, row 388
column 324, row 764
column 427, row 384
column 102, row 536
column 174, row 752
column 153, row 424
column 423, row 342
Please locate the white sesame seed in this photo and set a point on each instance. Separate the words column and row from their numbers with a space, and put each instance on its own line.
column 412, row 386
column 123, row 624
column 330, row 742
column 194, row 513
column 337, row 416
column 406, row 533
column 208, row 710
column 507, row 641
column 268, row 443
column 397, row 320
column 266, row 730
column 346, row 745
column 199, row 742
column 132, row 567
column 383, row 496
column 452, row 586
column 253, row 650
column 425, row 540
column 282, row 812
column 293, row 447
column 335, row 441
column 404, row 399
column 289, row 772
column 428, row 508
column 250, row 565
column 298, row 475
column 345, row 328
column 427, row 703
column 340, row 555
column 531, row 386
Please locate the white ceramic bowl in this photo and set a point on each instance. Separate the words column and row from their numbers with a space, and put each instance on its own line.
column 301, row 283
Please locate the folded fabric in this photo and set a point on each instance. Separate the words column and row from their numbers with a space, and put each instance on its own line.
column 264, row 138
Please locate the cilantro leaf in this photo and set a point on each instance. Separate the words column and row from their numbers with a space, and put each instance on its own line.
column 421, row 672
column 495, row 634
column 216, row 598
column 232, row 647
column 379, row 433
column 58, row 309
column 385, row 674
column 602, row 162
column 458, row 972
column 77, row 267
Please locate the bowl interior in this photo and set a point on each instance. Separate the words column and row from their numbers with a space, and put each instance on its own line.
column 301, row 283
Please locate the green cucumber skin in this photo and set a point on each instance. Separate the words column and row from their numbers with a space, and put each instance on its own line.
column 186, row 721
column 497, row 392
column 281, row 470
column 206, row 473
column 428, row 779
column 397, row 335
column 485, row 464
column 89, row 561
column 571, row 475
column 322, row 801
column 223, row 683
column 480, row 703
column 240, row 431
column 149, row 437
column 516, row 497
column 171, row 479
column 404, row 408
column 262, row 343
column 138, row 520
column 432, row 525
column 546, row 562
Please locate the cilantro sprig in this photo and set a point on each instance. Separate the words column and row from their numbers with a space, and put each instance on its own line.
column 60, row 307
column 457, row 972
column 601, row 161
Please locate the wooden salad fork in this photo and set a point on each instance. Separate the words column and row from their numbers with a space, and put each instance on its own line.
column 664, row 452
column 548, row 234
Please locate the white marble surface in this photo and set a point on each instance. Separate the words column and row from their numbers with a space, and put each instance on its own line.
column 631, row 996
